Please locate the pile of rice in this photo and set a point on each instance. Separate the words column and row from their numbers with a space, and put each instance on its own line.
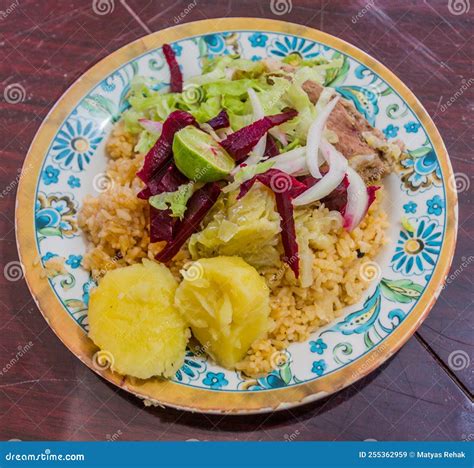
column 116, row 224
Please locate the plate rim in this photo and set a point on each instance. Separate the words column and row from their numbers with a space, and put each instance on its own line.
column 169, row 393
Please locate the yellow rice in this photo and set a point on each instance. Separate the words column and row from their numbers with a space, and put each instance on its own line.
column 116, row 224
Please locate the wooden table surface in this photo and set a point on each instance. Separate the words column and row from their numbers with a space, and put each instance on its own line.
column 423, row 392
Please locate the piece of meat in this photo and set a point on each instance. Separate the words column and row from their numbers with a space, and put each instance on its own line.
column 372, row 163
column 349, row 125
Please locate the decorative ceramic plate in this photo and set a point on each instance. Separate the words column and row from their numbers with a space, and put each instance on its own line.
column 68, row 152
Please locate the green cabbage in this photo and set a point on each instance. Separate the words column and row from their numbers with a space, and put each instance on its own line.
column 248, row 228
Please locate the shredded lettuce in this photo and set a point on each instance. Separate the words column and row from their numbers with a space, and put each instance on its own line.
column 223, row 84
column 246, row 173
column 145, row 141
column 175, row 201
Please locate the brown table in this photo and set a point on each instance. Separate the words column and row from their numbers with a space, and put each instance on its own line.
column 49, row 394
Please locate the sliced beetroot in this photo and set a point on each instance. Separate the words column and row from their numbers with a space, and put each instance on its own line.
column 286, row 188
column 371, row 189
column 162, row 225
column 160, row 154
column 167, row 180
column 271, row 149
column 198, row 206
column 221, row 120
column 176, row 80
column 337, row 199
column 240, row 143
column 278, row 181
column 288, row 232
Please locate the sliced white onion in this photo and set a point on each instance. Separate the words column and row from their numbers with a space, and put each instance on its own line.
column 314, row 136
column 258, row 113
column 357, row 200
column 208, row 129
column 151, row 125
column 292, row 162
column 279, row 134
column 290, row 155
column 254, row 158
column 337, row 170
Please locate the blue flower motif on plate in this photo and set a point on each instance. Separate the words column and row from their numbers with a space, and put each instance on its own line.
column 75, row 144
column 412, row 127
column 318, row 346
column 294, row 45
column 50, row 175
column 74, row 182
column 177, row 49
column 74, row 261
column 258, row 39
column 319, row 367
column 416, row 251
column 410, row 207
column 215, row 380
column 391, row 131
column 435, row 205
column 48, row 256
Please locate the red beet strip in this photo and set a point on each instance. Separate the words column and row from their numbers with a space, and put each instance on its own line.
column 240, row 143
column 198, row 206
column 162, row 225
column 221, row 120
column 176, row 80
column 271, row 149
column 285, row 187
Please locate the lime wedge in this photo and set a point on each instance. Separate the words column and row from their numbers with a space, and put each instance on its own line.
column 199, row 157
